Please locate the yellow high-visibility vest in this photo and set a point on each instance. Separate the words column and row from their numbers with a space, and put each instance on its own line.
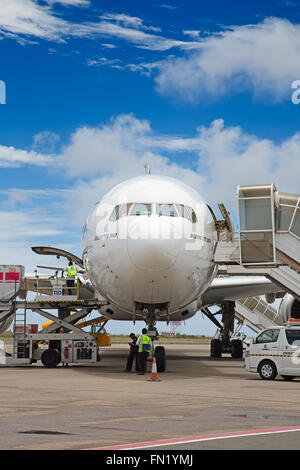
column 71, row 271
column 144, row 340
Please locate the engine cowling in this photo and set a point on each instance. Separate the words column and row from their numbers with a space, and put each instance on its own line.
column 289, row 308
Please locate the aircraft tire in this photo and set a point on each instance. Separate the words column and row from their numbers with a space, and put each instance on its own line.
column 236, row 348
column 216, row 348
column 160, row 355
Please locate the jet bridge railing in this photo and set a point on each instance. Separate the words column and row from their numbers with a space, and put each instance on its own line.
column 269, row 225
column 289, row 214
column 256, row 213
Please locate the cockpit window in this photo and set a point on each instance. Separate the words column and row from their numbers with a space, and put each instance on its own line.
column 192, row 214
column 183, row 212
column 141, row 209
column 187, row 212
column 132, row 208
column 114, row 214
column 167, row 210
column 119, row 211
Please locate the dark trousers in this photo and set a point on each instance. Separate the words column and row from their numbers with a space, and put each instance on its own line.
column 70, row 283
column 132, row 355
column 142, row 361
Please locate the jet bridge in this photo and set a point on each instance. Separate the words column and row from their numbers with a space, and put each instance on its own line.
column 268, row 239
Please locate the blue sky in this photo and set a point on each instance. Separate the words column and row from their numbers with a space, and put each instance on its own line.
column 94, row 89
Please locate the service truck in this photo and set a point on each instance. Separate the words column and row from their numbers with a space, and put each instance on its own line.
column 275, row 351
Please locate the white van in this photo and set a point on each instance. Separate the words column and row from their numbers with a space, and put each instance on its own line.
column 275, row 351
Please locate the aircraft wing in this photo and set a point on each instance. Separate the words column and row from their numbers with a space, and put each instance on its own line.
column 232, row 288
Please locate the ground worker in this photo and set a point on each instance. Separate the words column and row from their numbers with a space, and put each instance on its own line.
column 132, row 354
column 145, row 345
column 71, row 273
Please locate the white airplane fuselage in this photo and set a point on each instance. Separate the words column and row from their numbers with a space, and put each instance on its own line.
column 149, row 243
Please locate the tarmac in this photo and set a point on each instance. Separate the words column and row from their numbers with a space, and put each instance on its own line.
column 97, row 406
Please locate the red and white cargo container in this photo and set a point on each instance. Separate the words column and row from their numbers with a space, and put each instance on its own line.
column 11, row 280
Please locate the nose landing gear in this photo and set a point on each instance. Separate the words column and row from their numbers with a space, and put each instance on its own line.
column 149, row 315
column 223, row 343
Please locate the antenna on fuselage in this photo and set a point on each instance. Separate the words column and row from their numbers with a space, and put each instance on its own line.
column 147, row 169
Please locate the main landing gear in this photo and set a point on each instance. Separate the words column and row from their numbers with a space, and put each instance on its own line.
column 224, row 343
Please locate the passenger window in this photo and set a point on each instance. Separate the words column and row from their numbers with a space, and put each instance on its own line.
column 141, row 209
column 293, row 337
column 167, row 210
column 268, row 336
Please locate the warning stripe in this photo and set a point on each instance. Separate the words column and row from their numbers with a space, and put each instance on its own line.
column 275, row 355
column 63, row 301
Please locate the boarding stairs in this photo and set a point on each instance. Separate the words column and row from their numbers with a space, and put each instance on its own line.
column 267, row 244
column 256, row 314
column 268, row 239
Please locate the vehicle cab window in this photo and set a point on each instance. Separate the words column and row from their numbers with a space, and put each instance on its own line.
column 268, row 336
column 293, row 337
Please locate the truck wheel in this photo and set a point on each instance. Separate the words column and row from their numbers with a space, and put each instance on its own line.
column 287, row 377
column 50, row 358
column 160, row 355
column 267, row 370
column 236, row 348
column 216, row 348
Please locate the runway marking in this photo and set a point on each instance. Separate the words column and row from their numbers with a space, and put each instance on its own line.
column 187, row 440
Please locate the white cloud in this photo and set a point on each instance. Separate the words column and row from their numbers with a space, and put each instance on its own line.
column 20, row 230
column 18, row 225
column 28, row 18
column 137, row 37
column 24, row 19
column 262, row 58
column 168, row 7
column 108, row 45
column 34, row 197
column 45, row 141
column 144, row 68
column 219, row 158
column 35, row 217
column 126, row 20
column 76, row 3
column 104, row 61
column 215, row 160
column 10, row 156
column 193, row 33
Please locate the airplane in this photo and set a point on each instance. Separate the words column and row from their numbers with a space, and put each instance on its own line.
column 148, row 249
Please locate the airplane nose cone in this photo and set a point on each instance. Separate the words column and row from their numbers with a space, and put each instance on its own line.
column 152, row 244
